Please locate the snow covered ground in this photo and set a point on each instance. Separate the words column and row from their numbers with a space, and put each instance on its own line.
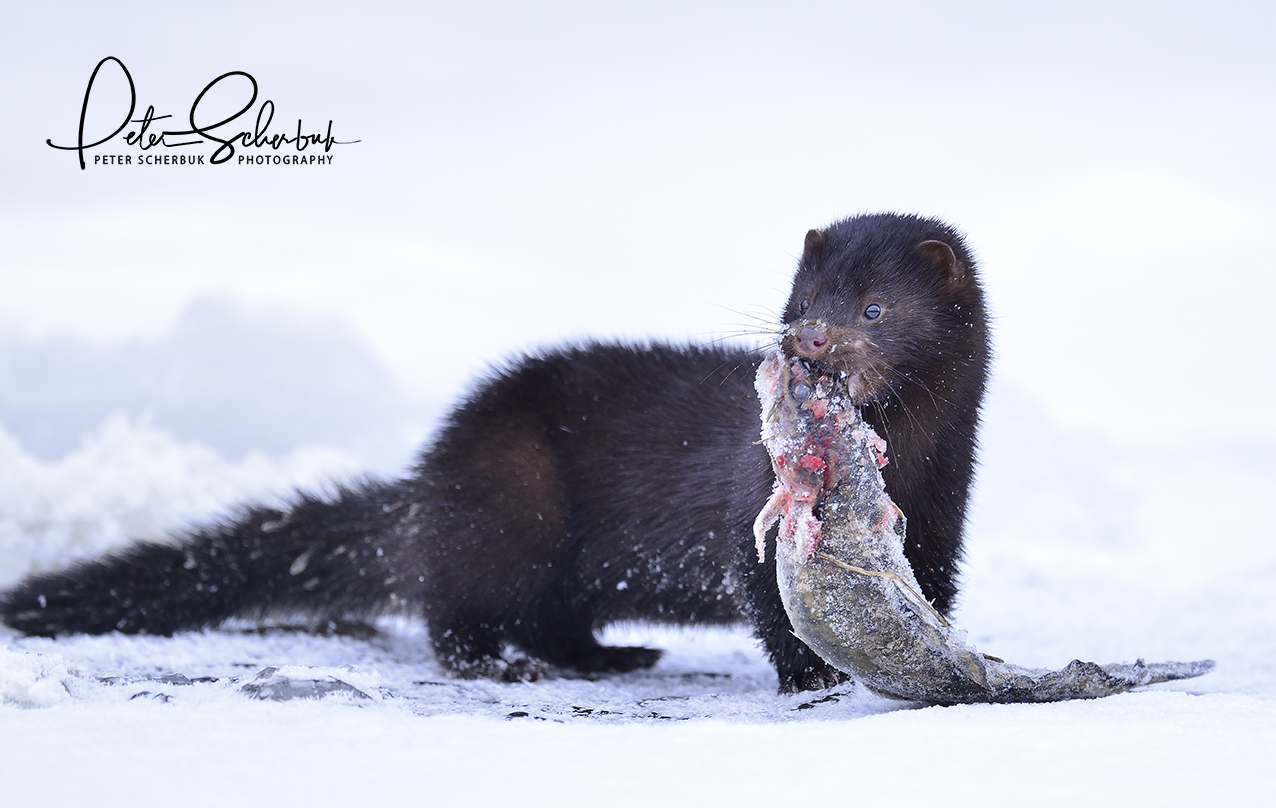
column 1077, row 549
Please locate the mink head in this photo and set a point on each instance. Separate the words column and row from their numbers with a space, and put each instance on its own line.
column 890, row 301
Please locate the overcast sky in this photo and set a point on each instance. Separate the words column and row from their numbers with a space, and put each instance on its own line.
column 527, row 173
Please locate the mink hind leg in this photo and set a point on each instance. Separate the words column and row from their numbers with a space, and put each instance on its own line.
column 500, row 570
column 563, row 633
column 472, row 642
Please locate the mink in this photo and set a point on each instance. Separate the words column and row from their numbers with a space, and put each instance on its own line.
column 596, row 483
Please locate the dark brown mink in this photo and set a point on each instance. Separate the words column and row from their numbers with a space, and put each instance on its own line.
column 593, row 484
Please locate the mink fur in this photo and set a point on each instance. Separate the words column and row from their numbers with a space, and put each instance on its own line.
column 594, row 484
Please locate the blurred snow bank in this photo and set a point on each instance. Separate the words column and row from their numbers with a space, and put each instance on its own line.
column 128, row 481
column 235, row 377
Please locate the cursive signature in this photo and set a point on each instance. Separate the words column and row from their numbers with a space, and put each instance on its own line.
column 145, row 138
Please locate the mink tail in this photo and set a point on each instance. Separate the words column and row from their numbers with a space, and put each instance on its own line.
column 321, row 558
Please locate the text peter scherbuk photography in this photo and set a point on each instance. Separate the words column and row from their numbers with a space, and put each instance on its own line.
column 240, row 148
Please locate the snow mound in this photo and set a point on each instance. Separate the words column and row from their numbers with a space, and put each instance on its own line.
column 130, row 481
column 37, row 680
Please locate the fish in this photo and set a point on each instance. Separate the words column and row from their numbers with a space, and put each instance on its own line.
column 847, row 587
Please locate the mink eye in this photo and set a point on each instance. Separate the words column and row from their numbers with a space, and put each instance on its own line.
column 872, row 312
column 803, row 306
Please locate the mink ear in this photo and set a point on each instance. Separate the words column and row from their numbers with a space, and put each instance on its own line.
column 940, row 256
column 814, row 247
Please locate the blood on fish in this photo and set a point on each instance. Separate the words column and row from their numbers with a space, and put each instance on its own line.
column 812, row 463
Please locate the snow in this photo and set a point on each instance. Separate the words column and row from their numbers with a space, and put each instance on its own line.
column 213, row 746
column 129, row 480
column 675, row 733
